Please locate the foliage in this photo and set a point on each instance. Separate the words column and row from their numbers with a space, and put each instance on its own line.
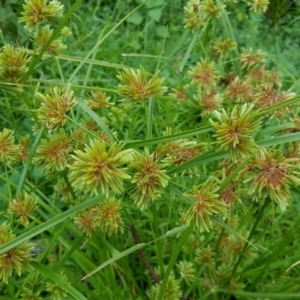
column 149, row 150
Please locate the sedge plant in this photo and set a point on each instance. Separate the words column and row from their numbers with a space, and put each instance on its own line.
column 168, row 172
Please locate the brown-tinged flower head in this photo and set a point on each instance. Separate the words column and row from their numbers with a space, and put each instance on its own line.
column 234, row 285
column 54, row 107
column 13, row 63
column 204, row 74
column 269, row 95
column 37, row 11
column 236, row 245
column 234, row 129
column 179, row 94
column 223, row 271
column 16, row 259
column 210, row 10
column 97, row 167
column 91, row 125
column 186, row 270
column 99, row 101
column 205, row 203
column 208, row 101
column 79, row 138
column 205, row 256
column 136, row 87
column 149, row 177
column 239, row 90
column 24, row 144
column 221, row 48
column 257, row 75
column 180, row 151
column 56, row 290
column 52, row 154
column 86, row 221
column 23, row 206
column 232, row 192
column 8, row 149
column 229, row 195
column 192, row 18
column 29, row 294
column 250, row 58
column 171, row 291
column 272, row 175
column 108, row 216
column 42, row 36
column 259, row 6
column 196, row 4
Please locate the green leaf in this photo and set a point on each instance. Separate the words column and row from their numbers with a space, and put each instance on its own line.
column 28, row 163
column 98, row 120
column 47, row 272
column 162, row 31
column 261, row 295
column 154, row 3
column 48, row 224
column 135, row 18
column 155, row 14
column 168, row 138
column 232, row 231
column 116, row 257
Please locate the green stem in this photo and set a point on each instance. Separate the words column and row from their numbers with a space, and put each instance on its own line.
column 250, row 236
column 38, row 57
column 65, row 178
column 158, row 242
column 183, row 238
column 149, row 119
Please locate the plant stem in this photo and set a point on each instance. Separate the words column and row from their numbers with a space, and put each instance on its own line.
column 158, row 242
column 250, row 236
column 183, row 238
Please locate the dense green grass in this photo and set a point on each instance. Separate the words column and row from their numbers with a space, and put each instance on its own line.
column 179, row 238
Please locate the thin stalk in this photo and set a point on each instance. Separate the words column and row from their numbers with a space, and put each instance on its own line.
column 70, row 188
column 149, row 120
column 38, row 57
column 158, row 242
column 250, row 235
column 182, row 240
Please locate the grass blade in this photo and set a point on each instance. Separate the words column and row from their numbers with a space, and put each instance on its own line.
column 47, row 272
column 48, row 224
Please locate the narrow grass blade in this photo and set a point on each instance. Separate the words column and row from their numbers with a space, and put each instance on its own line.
column 98, row 120
column 47, row 272
column 200, row 160
column 168, row 138
column 291, row 101
column 232, row 231
column 229, row 33
column 50, row 223
column 281, row 139
column 232, row 175
column 83, row 61
column 88, row 61
column 273, row 129
column 256, row 295
column 37, row 58
column 26, row 168
column 109, row 261
column 188, row 52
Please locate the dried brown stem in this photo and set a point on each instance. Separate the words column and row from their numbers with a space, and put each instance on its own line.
column 154, row 276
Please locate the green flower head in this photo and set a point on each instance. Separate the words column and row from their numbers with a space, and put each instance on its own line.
column 99, row 168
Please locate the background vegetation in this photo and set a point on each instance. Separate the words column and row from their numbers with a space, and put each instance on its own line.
column 149, row 150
